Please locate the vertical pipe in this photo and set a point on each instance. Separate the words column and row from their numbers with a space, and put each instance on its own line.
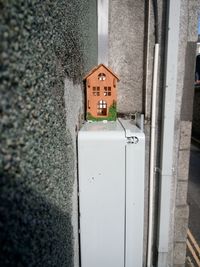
column 152, row 155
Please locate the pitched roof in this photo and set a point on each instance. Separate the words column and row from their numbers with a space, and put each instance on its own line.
column 96, row 68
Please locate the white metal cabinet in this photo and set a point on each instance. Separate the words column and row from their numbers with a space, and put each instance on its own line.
column 111, row 194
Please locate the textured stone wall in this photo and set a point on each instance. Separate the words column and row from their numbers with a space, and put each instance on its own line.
column 44, row 44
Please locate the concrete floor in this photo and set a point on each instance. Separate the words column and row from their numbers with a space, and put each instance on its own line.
column 194, row 192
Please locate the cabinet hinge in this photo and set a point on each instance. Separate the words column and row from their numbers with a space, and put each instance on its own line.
column 132, row 140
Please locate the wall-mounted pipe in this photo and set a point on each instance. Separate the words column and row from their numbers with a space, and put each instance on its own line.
column 152, row 156
column 152, row 138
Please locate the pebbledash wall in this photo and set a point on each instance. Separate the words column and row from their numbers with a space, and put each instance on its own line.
column 46, row 48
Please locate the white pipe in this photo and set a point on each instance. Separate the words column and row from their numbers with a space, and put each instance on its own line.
column 152, row 155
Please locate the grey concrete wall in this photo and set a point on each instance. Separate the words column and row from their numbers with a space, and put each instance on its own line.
column 182, row 135
column 126, row 44
column 46, row 48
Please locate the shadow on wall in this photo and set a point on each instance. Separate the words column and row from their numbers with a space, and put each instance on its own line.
column 33, row 231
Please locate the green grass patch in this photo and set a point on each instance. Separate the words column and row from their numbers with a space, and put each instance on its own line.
column 112, row 115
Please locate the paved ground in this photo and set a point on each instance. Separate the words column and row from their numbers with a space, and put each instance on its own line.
column 194, row 192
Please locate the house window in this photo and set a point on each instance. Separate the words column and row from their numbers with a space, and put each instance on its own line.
column 107, row 91
column 96, row 91
column 102, row 108
column 101, row 77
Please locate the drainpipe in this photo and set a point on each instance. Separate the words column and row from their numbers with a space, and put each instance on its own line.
column 152, row 140
column 152, row 156
column 169, row 103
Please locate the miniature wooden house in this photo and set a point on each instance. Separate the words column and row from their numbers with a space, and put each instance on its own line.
column 101, row 95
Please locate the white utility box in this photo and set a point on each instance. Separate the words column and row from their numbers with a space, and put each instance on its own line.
column 111, row 194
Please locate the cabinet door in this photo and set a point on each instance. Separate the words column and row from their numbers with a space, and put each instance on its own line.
column 102, row 199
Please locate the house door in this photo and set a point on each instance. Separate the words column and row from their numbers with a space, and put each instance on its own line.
column 102, row 108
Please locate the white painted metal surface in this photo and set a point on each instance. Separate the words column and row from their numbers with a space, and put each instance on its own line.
column 103, row 6
column 134, row 195
column 111, row 194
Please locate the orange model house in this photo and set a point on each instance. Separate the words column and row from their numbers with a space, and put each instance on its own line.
column 101, row 94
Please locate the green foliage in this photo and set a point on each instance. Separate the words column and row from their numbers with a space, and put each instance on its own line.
column 112, row 112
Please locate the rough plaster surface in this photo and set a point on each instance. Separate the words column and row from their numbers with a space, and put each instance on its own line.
column 126, row 44
column 74, row 109
column 44, row 44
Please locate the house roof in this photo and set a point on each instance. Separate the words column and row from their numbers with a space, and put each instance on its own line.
column 96, row 68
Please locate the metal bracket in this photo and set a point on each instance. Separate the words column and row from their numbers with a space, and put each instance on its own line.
column 139, row 120
column 132, row 140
